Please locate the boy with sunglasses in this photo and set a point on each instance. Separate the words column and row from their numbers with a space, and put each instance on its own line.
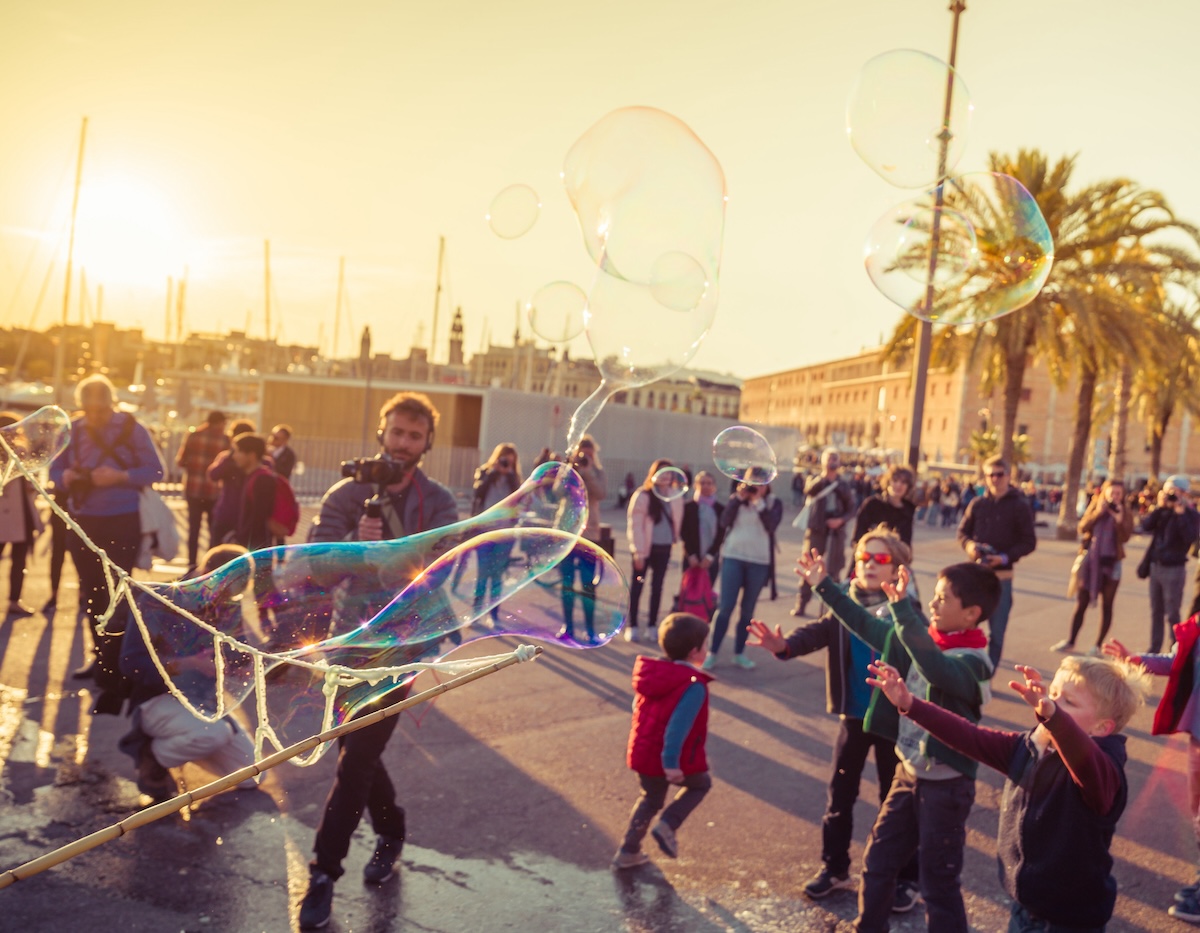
column 879, row 555
column 944, row 661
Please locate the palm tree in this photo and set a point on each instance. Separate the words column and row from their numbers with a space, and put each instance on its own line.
column 1172, row 378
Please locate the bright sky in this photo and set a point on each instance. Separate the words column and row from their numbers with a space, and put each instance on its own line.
column 369, row 129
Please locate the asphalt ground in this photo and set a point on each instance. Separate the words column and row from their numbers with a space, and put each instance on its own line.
column 517, row 794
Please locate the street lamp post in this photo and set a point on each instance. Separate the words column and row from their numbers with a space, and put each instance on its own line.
column 925, row 329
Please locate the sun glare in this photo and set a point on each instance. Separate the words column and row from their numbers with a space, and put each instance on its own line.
column 126, row 235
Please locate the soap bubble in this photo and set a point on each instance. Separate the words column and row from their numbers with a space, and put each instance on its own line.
column 316, row 627
column 514, row 211
column 33, row 442
column 556, row 311
column 997, row 253
column 895, row 117
column 741, row 453
column 650, row 200
column 669, row 483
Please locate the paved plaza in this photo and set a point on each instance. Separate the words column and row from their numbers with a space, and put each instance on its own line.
column 517, row 793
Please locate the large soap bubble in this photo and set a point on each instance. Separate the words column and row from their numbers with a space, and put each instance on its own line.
column 33, row 442
column 650, row 199
column 994, row 251
column 318, row 629
column 895, row 117
column 741, row 453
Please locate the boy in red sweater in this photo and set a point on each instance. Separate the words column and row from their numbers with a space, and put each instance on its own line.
column 666, row 740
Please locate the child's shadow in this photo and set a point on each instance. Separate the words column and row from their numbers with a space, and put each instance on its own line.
column 651, row 905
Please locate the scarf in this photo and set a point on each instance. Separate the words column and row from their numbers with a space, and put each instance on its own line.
column 1101, row 555
column 970, row 638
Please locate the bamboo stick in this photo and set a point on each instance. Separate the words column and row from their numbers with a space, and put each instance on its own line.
column 159, row 810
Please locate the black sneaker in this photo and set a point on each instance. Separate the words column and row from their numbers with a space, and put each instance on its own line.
column 1187, row 910
column 664, row 835
column 317, row 906
column 383, row 861
column 906, row 898
column 1191, row 890
column 825, row 882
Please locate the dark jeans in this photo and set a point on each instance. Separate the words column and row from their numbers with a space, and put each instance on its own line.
column 579, row 563
column 850, row 750
column 1022, row 921
column 360, row 782
column 998, row 623
column 928, row 819
column 656, row 564
column 737, row 576
column 1108, row 594
column 493, row 559
column 1166, row 599
column 654, row 795
column 198, row 508
column 119, row 536
column 58, row 544
column 17, row 551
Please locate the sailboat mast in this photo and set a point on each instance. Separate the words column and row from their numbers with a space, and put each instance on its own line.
column 337, row 312
column 60, row 353
column 267, row 282
column 437, row 297
column 167, row 310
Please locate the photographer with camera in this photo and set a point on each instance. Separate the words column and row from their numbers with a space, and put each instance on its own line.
column 997, row 531
column 109, row 459
column 586, row 462
column 1174, row 527
column 1106, row 526
column 381, row 498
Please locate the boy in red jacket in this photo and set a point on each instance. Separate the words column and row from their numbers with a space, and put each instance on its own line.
column 666, row 740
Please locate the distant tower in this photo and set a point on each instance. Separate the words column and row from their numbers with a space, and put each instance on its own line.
column 456, row 339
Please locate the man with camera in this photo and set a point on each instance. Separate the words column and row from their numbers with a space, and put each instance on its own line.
column 1174, row 526
column 997, row 531
column 382, row 498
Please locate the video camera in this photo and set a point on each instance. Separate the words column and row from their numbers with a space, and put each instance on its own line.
column 374, row 470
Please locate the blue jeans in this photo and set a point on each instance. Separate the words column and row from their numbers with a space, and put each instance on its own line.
column 998, row 623
column 736, row 576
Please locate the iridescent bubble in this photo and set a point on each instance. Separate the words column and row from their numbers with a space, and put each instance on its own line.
column 556, row 311
column 669, row 483
column 650, row 199
column 987, row 216
column 33, row 442
column 318, row 629
column 514, row 211
column 895, row 117
column 741, row 453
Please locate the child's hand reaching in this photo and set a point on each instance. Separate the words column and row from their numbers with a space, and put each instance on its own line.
column 888, row 679
column 1033, row 691
column 1114, row 649
column 898, row 590
column 674, row 775
column 762, row 637
column 811, row 567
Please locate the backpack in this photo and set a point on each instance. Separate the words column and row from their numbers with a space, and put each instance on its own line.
column 285, row 513
column 696, row 594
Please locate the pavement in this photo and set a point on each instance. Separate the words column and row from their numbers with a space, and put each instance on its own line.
column 517, row 794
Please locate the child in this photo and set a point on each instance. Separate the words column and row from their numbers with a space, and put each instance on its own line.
column 666, row 740
column 879, row 554
column 931, row 795
column 1177, row 712
column 1065, row 787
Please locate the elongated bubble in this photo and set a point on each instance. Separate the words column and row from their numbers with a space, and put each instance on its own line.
column 33, row 442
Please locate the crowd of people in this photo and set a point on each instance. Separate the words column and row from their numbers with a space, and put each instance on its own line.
column 908, row 685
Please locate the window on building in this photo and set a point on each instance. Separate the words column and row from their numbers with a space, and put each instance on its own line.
column 1022, row 429
column 1026, row 394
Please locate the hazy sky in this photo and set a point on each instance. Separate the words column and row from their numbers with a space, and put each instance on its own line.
column 368, row 129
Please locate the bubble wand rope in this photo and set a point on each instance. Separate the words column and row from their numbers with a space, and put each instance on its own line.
column 152, row 813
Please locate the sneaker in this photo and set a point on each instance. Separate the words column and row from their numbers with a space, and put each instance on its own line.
column 631, row 633
column 1187, row 909
column 383, row 862
column 623, row 859
column 87, row 672
column 18, row 610
column 1191, row 890
column 744, row 662
column 825, row 882
column 317, row 905
column 1094, row 651
column 664, row 835
column 709, row 663
column 1063, row 647
column 906, row 898
column 153, row 779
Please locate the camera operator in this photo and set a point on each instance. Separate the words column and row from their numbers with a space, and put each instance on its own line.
column 1174, row 526
column 997, row 531
column 382, row 498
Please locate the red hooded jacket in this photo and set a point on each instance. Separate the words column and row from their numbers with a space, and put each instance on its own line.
column 658, row 685
column 1179, row 682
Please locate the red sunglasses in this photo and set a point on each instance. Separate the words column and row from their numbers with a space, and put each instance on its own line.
column 882, row 559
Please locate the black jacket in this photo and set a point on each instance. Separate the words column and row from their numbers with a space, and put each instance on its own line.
column 689, row 530
column 1005, row 523
column 877, row 510
column 1173, row 535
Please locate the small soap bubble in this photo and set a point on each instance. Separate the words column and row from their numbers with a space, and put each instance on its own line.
column 556, row 311
column 895, row 113
column 669, row 483
column 741, row 453
column 33, row 441
column 514, row 211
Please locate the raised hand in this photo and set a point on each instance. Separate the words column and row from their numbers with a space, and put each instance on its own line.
column 811, row 567
column 761, row 636
column 1033, row 691
column 888, row 679
column 898, row 590
column 1114, row 649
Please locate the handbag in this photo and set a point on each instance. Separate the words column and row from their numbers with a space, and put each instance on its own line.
column 696, row 594
column 800, row 522
column 1143, row 567
column 1076, row 570
column 160, row 536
